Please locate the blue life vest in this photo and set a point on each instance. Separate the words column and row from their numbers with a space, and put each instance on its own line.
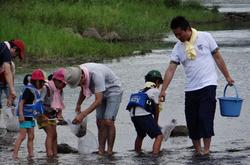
column 141, row 99
column 36, row 108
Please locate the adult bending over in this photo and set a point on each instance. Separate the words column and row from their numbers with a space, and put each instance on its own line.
column 97, row 79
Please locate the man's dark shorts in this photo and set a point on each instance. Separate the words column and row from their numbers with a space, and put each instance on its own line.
column 146, row 125
column 200, row 110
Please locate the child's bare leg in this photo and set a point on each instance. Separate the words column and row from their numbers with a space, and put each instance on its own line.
column 49, row 140
column 157, row 144
column 55, row 145
column 46, row 139
column 138, row 144
column 54, row 142
column 31, row 135
column 19, row 140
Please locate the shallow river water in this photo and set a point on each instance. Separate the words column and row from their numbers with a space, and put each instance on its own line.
column 230, row 145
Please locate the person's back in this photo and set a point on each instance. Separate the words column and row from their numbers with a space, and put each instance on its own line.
column 103, row 79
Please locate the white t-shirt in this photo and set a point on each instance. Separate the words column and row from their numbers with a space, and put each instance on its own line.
column 200, row 72
column 103, row 79
column 153, row 94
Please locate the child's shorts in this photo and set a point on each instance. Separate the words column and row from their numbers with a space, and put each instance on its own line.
column 43, row 121
column 27, row 124
column 146, row 125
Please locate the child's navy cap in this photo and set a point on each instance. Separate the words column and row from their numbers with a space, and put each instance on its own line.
column 154, row 74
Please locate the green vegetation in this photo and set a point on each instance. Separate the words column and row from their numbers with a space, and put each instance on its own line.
column 52, row 29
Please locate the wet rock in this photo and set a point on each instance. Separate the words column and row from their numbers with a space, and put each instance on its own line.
column 92, row 33
column 180, row 130
column 3, row 132
column 64, row 148
column 238, row 16
column 7, row 141
column 112, row 37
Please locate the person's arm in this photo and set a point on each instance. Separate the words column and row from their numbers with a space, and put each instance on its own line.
column 20, row 111
column 167, row 79
column 222, row 66
column 81, row 98
column 157, row 111
column 13, row 70
column 10, row 81
column 91, row 108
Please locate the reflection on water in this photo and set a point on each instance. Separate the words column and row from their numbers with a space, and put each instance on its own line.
column 231, row 144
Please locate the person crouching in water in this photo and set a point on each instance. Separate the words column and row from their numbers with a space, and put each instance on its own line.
column 145, row 115
column 52, row 96
column 29, row 107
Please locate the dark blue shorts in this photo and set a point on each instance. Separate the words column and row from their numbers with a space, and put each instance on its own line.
column 146, row 125
column 200, row 110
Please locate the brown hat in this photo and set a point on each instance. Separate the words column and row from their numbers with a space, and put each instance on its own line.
column 73, row 76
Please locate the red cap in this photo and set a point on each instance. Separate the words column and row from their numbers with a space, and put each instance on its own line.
column 59, row 75
column 20, row 45
column 37, row 75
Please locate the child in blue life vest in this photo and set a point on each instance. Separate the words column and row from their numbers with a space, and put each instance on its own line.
column 144, row 112
column 29, row 108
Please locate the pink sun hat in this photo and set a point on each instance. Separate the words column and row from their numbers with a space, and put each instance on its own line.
column 59, row 75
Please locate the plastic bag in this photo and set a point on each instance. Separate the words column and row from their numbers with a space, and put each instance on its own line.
column 167, row 129
column 3, row 129
column 78, row 129
column 11, row 120
column 87, row 144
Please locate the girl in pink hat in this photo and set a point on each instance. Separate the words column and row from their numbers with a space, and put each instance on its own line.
column 52, row 96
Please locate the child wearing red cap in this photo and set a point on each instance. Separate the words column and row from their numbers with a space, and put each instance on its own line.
column 53, row 106
column 29, row 107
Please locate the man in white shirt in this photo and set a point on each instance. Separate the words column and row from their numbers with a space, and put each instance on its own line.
column 197, row 52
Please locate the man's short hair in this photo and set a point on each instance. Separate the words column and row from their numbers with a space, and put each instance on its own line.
column 179, row 22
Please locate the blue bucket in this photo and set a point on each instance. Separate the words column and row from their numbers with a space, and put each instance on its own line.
column 230, row 106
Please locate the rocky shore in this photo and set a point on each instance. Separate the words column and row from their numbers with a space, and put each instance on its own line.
column 236, row 16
